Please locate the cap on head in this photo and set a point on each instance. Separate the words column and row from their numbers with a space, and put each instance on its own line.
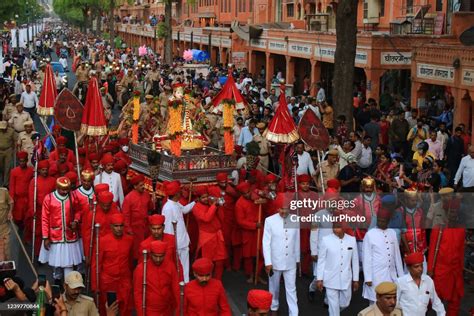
column 203, row 266
column 156, row 219
column 63, row 183
column 386, row 288
column 158, row 247
column 74, row 280
column 259, row 299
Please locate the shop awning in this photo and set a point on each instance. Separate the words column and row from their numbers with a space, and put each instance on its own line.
column 209, row 15
column 246, row 32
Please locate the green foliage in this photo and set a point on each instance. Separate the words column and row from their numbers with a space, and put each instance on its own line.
column 161, row 30
column 10, row 8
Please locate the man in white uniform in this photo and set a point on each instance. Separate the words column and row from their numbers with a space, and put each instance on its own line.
column 281, row 252
column 338, row 269
column 382, row 261
column 416, row 290
column 319, row 230
column 174, row 211
column 111, row 178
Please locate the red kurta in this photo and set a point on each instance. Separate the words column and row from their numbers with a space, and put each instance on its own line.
column 415, row 235
column 18, row 188
column 369, row 210
column 448, row 270
column 246, row 215
column 209, row 300
column 57, row 217
column 135, row 211
column 162, row 289
column 101, row 218
column 45, row 185
column 226, row 214
column 115, row 271
column 211, row 239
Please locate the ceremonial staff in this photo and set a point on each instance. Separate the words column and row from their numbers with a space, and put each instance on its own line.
column 145, row 252
column 191, row 181
column 97, row 281
column 181, row 298
column 175, row 230
column 35, row 196
column 20, row 242
column 438, row 242
column 91, row 245
column 258, row 242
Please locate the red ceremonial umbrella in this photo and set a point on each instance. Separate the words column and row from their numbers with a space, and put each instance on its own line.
column 48, row 93
column 93, row 119
column 229, row 91
column 282, row 128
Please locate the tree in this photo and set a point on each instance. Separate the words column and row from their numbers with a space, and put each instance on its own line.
column 168, row 58
column 344, row 59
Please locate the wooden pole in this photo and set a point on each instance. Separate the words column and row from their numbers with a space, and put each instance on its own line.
column 258, row 243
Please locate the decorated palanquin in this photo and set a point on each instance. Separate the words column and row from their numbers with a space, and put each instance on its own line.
column 182, row 152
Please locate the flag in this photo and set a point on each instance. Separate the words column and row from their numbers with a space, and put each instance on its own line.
column 312, row 131
column 48, row 143
column 38, row 150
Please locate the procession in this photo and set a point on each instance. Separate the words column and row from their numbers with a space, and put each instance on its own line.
column 132, row 186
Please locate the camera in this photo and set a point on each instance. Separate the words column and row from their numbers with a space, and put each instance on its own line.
column 219, row 201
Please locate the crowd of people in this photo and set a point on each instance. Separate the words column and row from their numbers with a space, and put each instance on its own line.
column 91, row 218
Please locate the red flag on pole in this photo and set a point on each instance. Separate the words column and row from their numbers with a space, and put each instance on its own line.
column 48, row 93
column 282, row 128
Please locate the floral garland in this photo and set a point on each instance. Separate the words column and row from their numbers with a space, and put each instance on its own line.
column 228, row 124
column 135, row 116
column 175, row 103
column 174, row 126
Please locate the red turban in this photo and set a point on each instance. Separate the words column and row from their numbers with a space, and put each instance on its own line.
column 414, row 258
column 108, row 158
column 304, row 178
column 221, row 176
column 71, row 175
column 61, row 140
column 137, row 179
column 62, row 151
column 384, row 213
column 279, row 201
column 22, row 155
column 101, row 187
column 259, row 299
column 117, row 218
column 334, row 183
column 243, row 187
column 203, row 266
column 123, row 141
column 172, row 187
column 271, row 178
column 114, row 145
column 158, row 247
column 43, row 164
column 56, row 128
column 156, row 219
column 120, row 166
column 214, row 191
column 200, row 190
column 331, row 194
column 94, row 156
column 105, row 197
column 81, row 151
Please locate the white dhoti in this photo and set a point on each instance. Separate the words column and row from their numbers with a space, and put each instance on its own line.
column 290, row 287
column 62, row 255
column 338, row 300
column 183, row 254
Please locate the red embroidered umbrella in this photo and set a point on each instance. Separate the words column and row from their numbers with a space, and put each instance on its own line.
column 48, row 93
column 93, row 119
column 282, row 128
column 229, row 92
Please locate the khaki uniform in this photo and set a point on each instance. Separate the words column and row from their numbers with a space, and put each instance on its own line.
column 374, row 310
column 17, row 120
column 6, row 204
column 82, row 74
column 164, row 98
column 264, row 152
column 437, row 214
column 329, row 172
column 8, row 111
column 25, row 143
column 126, row 80
column 7, row 142
column 149, row 78
column 82, row 306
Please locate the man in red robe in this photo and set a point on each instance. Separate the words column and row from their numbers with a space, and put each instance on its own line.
column 157, row 227
column 45, row 185
column 162, row 288
column 211, row 239
column 20, row 178
column 115, row 266
column 135, row 210
column 446, row 257
column 205, row 295
column 247, row 217
column 122, row 153
column 104, row 210
column 122, row 169
column 227, row 216
column 61, row 143
column 61, row 165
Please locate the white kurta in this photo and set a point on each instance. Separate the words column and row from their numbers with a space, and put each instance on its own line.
column 381, row 259
column 338, row 262
column 281, row 249
column 414, row 300
column 114, row 182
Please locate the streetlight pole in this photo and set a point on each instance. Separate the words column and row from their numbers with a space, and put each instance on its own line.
column 17, row 33
column 27, row 24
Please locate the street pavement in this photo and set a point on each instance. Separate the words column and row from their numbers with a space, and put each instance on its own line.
column 234, row 282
